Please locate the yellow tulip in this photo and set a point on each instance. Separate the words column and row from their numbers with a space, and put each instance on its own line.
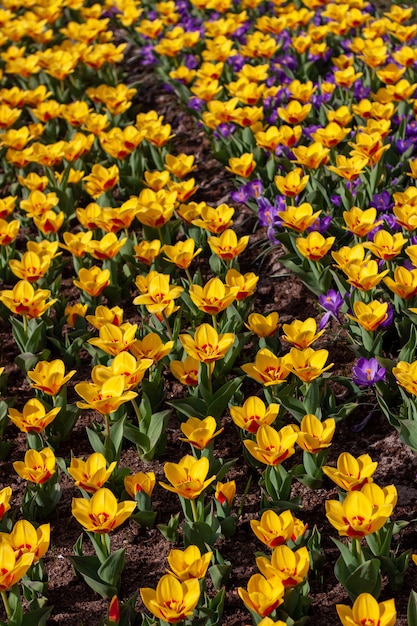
column 301, row 334
column 262, row 595
column 314, row 246
column 214, row 297
column 357, row 516
column 215, row 220
column 272, row 447
column 155, row 208
column 274, row 529
column 330, row 135
column 291, row 567
column 186, row 371
column 298, row 218
column 77, row 243
column 101, row 180
column 12, row 568
column 293, row 183
column 263, row 325
column 115, row 339
column 268, row 369
column 386, row 246
column 50, row 376
column 151, row 347
column 242, row 166
column 141, row 481
column 315, row 435
column 8, row 231
column 107, row 247
column 207, row 345
column 294, row 112
column 180, row 165
column 123, row 364
column 364, row 275
column 404, row 283
column 361, row 222
column 37, row 467
column 245, row 283
column 312, row 156
column 307, row 364
column 227, row 246
column 200, row 433
column 349, row 168
column 103, row 315
column 253, row 414
column 26, row 539
column 406, row 375
column 72, row 311
column 188, row 563
column 24, row 300
column 225, row 492
column 102, row 513
column 91, row 474
column 370, row 316
column 188, row 477
column 5, row 495
column 147, row 251
column 351, row 473
column 104, row 398
column 31, row 266
column 160, row 295
column 366, row 610
column 172, row 601
column 34, row 417
column 93, row 280
column 182, row 253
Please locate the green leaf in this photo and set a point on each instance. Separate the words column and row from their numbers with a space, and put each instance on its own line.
column 38, row 617
column 133, row 434
column 222, row 396
column 220, row 574
column 412, row 608
column 190, row 407
column 112, row 568
column 364, row 579
column 87, row 567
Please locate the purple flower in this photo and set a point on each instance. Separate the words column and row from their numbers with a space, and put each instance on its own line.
column 195, row 103
column 382, row 201
column 224, row 130
column 367, row 372
column 254, row 188
column 332, row 301
column 321, row 224
column 390, row 313
column 240, row 195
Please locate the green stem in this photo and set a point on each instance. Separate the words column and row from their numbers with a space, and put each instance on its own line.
column 168, row 327
column 188, row 275
column 135, row 406
column 6, row 604
column 194, row 510
column 214, row 319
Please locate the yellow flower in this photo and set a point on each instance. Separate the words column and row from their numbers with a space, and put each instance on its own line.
column 93, row 281
column 77, row 243
column 351, row 474
column 141, row 481
column 307, row 364
column 315, row 435
column 151, row 347
column 406, row 375
column 291, row 567
column 272, row 447
column 214, row 297
column 182, row 253
column 215, row 220
column 293, row 183
column 364, row 275
column 179, row 165
column 242, row 166
column 49, row 222
column 103, row 315
column 104, row 398
column 370, row 316
column 101, row 180
column 366, row 610
column 5, row 495
column 160, row 295
column 314, row 246
column 102, row 513
column 24, row 300
column 37, row 467
column 155, row 208
column 225, row 492
column 34, row 417
column 207, row 345
column 311, row 156
column 301, row 334
column 245, row 283
column 263, row 595
column 294, row 112
column 268, row 369
column 349, row 168
column 357, row 516
column 199, row 433
column 298, row 218
column 72, row 311
column 404, row 283
column 123, row 364
column 114, row 339
column 331, row 135
column 8, row 231
column 107, row 248
column 147, row 251
column 188, row 477
column 31, row 266
column 274, row 529
column 50, row 376
column 386, row 246
column 26, row 539
column 186, row 371
column 12, row 569
column 188, row 563
column 360, row 222
column 253, row 414
column 91, row 474
column 172, row 601
column 263, row 325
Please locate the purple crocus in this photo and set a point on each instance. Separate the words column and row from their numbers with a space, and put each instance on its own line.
column 367, row 372
column 331, row 302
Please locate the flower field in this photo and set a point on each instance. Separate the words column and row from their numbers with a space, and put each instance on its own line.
column 208, row 309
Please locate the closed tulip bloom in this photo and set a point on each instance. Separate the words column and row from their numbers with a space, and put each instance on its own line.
column 182, row 253
column 331, row 135
column 104, row 398
column 291, row 567
column 123, row 364
column 214, row 297
column 50, row 376
column 5, row 495
column 151, row 347
column 315, row 435
column 115, row 339
column 72, row 311
column 8, row 231
column 24, row 300
column 263, row 325
column 186, row 371
column 199, row 433
column 293, row 183
column 179, row 165
column 207, row 345
column 308, row 364
column 263, row 595
column 34, row 417
column 274, row 529
column 406, row 375
column 301, row 334
column 173, row 600
column 228, row 246
column 188, row 477
column 314, row 246
column 155, row 208
column 356, row 516
column 103, row 315
column 31, row 267
column 404, row 283
column 386, row 246
column 12, row 568
column 91, row 474
column 77, row 243
column 225, row 492
column 366, row 610
column 37, row 467
column 268, row 369
column 93, row 280
column 245, row 283
column 370, row 316
column 141, row 481
column 26, row 539
column 272, row 447
column 298, row 218
column 351, row 473
column 188, row 563
column 365, row 275
column 101, row 180
column 294, row 112
column 147, row 251
column 49, row 222
column 253, row 414
column 102, row 513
